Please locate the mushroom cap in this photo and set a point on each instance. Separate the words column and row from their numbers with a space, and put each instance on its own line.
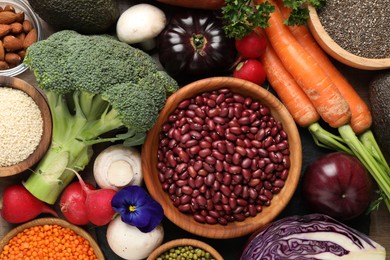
column 129, row 242
column 140, row 22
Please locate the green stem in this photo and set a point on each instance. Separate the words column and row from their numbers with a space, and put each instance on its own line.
column 50, row 176
column 327, row 140
column 377, row 170
column 368, row 140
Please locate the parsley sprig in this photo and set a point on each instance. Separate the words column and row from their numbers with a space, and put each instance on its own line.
column 242, row 16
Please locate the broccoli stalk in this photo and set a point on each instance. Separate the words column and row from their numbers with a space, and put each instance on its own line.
column 87, row 101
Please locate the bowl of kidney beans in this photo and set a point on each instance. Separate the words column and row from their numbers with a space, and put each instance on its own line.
column 223, row 159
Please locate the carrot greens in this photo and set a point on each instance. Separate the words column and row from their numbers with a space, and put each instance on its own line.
column 242, row 16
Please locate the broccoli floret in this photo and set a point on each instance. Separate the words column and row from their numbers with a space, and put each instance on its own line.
column 95, row 85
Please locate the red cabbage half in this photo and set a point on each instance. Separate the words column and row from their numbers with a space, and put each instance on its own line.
column 313, row 236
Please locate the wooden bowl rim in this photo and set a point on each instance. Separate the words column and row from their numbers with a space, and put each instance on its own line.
column 40, row 100
column 233, row 229
column 184, row 242
column 52, row 221
column 336, row 51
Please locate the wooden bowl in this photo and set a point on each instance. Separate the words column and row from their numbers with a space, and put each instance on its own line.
column 38, row 97
column 337, row 52
column 279, row 201
column 184, row 242
column 53, row 221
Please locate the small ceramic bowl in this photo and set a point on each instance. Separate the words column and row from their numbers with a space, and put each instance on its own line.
column 53, row 221
column 337, row 52
column 45, row 141
column 233, row 228
column 173, row 244
column 30, row 15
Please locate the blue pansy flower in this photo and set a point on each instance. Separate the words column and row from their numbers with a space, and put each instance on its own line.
column 138, row 208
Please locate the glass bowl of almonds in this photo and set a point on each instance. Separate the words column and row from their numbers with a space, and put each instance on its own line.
column 19, row 28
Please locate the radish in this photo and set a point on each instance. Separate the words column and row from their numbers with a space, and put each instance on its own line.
column 97, row 203
column 251, row 46
column 72, row 203
column 251, row 70
column 19, row 205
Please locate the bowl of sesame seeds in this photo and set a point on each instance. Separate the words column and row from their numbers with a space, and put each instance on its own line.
column 25, row 126
column 354, row 32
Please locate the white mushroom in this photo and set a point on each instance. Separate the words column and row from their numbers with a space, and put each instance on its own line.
column 141, row 23
column 129, row 242
column 118, row 166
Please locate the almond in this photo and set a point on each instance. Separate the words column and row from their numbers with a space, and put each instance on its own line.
column 4, row 65
column 13, row 59
column 11, row 43
column 22, row 53
column 31, row 37
column 27, row 26
column 4, row 29
column 16, row 28
column 8, row 17
column 2, row 52
column 9, row 8
column 19, row 17
column 21, row 36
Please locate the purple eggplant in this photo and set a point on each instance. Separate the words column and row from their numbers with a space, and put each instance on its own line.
column 193, row 45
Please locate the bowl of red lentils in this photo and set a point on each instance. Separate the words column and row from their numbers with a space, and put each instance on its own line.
column 25, row 126
column 49, row 238
column 355, row 33
column 223, row 159
column 185, row 248
column 19, row 28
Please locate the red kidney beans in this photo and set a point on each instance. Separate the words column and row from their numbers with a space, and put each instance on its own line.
column 222, row 157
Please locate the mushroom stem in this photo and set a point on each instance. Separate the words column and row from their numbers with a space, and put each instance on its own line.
column 120, row 173
column 118, row 166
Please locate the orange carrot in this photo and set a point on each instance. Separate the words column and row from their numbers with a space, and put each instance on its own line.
column 361, row 116
column 288, row 90
column 324, row 95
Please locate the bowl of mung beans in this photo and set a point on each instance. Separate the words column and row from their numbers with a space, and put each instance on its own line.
column 25, row 126
column 224, row 157
column 355, row 33
column 49, row 238
column 185, row 248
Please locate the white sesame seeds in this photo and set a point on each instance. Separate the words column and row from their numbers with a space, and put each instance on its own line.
column 21, row 126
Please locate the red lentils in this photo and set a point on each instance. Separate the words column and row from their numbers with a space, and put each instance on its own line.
column 48, row 242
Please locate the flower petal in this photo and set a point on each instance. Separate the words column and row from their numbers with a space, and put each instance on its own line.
column 148, row 213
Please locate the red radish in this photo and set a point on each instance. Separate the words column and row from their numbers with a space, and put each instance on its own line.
column 19, row 205
column 72, row 203
column 251, row 46
column 98, row 203
column 251, row 70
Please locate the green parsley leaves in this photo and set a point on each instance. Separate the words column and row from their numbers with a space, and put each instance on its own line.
column 242, row 16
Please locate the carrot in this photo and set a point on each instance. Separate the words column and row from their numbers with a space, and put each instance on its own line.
column 304, row 114
column 324, row 95
column 361, row 119
column 288, row 90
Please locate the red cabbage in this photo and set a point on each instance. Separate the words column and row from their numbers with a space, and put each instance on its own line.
column 314, row 236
